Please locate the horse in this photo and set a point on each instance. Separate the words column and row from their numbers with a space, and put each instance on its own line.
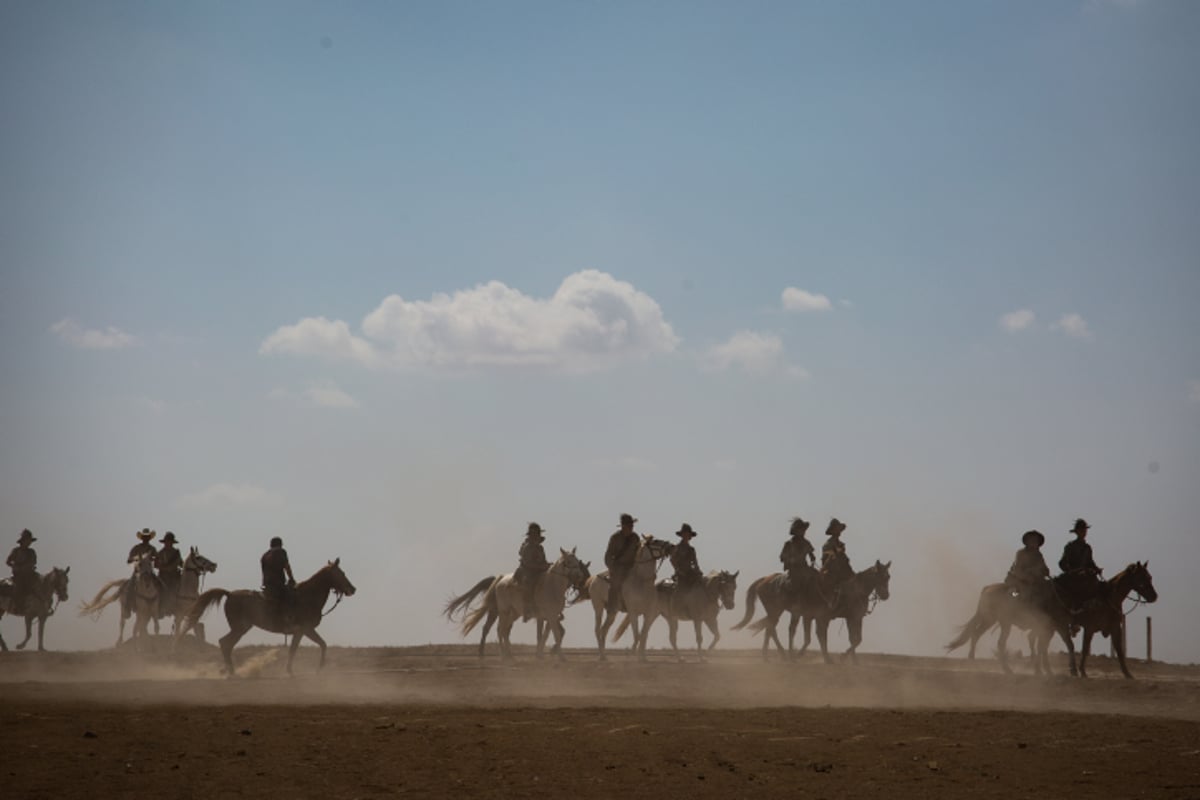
column 146, row 592
column 779, row 592
column 39, row 605
column 1104, row 613
column 195, row 566
column 246, row 609
column 700, row 603
column 999, row 606
column 504, row 599
column 638, row 593
column 852, row 602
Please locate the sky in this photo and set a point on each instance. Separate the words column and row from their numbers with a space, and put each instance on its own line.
column 393, row 280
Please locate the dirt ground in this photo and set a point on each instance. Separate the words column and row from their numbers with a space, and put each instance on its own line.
column 433, row 722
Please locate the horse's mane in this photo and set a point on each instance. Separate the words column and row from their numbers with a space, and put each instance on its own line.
column 311, row 579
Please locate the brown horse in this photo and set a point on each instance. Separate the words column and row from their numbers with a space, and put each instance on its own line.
column 853, row 602
column 998, row 606
column 246, row 609
column 1104, row 613
column 39, row 605
column 780, row 592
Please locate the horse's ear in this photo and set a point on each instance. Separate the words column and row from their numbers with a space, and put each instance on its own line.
column 573, row 549
column 337, row 561
column 562, row 550
column 739, row 572
column 66, row 571
column 587, row 564
column 888, row 565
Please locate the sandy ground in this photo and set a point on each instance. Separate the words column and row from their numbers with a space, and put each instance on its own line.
column 433, row 722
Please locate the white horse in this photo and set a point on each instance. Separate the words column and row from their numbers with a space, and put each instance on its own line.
column 505, row 601
column 700, row 603
column 639, row 598
column 195, row 566
column 147, row 597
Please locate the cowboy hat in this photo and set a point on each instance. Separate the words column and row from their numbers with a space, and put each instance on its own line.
column 799, row 526
column 836, row 526
column 628, row 519
column 145, row 534
column 685, row 531
column 169, row 537
column 27, row 536
column 1080, row 525
column 1027, row 535
column 535, row 530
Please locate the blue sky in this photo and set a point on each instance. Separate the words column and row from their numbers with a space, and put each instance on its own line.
column 207, row 207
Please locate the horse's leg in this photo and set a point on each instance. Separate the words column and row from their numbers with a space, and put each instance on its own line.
column 1085, row 649
column 711, row 622
column 316, row 637
column 227, row 643
column 641, row 642
column 823, row 638
column 697, row 623
column 1002, row 644
column 503, row 630
column 28, row 632
column 42, row 634
column 773, row 627
column 487, row 626
column 1119, row 645
column 559, row 632
column 3, row 645
column 672, row 628
column 854, row 627
column 793, row 623
column 599, row 629
column 807, row 635
column 292, row 648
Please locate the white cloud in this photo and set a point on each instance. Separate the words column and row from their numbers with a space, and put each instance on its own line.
column 799, row 300
column 1018, row 320
column 328, row 395
column 1194, row 391
column 231, row 494
column 592, row 321
column 758, row 353
column 110, row 338
column 1074, row 326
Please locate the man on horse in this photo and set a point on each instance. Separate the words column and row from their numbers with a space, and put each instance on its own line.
column 140, row 550
column 277, row 578
column 23, row 563
column 532, row 567
column 1078, row 565
column 169, row 562
column 619, row 558
column 1029, row 576
column 835, row 564
column 683, row 559
column 797, row 551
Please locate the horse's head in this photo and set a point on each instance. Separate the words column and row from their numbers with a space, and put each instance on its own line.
column 57, row 579
column 576, row 571
column 144, row 568
column 657, row 548
column 880, row 579
column 198, row 563
column 1141, row 581
column 726, row 583
column 341, row 584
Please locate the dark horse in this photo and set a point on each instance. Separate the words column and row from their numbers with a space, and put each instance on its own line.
column 1103, row 613
column 853, row 602
column 779, row 592
column 39, row 604
column 999, row 606
column 246, row 609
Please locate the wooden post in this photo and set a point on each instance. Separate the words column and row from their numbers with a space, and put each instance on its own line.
column 1149, row 640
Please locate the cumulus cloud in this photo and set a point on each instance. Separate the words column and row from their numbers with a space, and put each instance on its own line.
column 751, row 351
column 231, row 494
column 328, row 395
column 1073, row 325
column 799, row 300
column 74, row 334
column 592, row 321
column 1018, row 320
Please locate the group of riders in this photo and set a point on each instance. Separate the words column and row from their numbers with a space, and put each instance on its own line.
column 1029, row 576
column 798, row 557
column 163, row 565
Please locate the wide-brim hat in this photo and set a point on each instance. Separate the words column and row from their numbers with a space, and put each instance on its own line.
column 685, row 531
column 26, row 536
column 1027, row 535
column 628, row 519
column 836, row 526
column 799, row 526
column 1080, row 525
column 169, row 537
column 145, row 534
column 535, row 530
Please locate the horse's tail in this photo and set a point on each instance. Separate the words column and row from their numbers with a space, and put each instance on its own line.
column 488, row 605
column 751, row 599
column 976, row 626
column 209, row 598
column 100, row 602
column 758, row 627
column 624, row 626
column 463, row 601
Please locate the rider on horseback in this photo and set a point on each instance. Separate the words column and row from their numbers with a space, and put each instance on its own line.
column 683, row 559
column 1078, row 565
column 277, row 578
column 797, row 551
column 532, row 567
column 619, row 558
column 136, row 553
column 1029, row 576
column 835, row 564
column 23, row 562
column 169, row 562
